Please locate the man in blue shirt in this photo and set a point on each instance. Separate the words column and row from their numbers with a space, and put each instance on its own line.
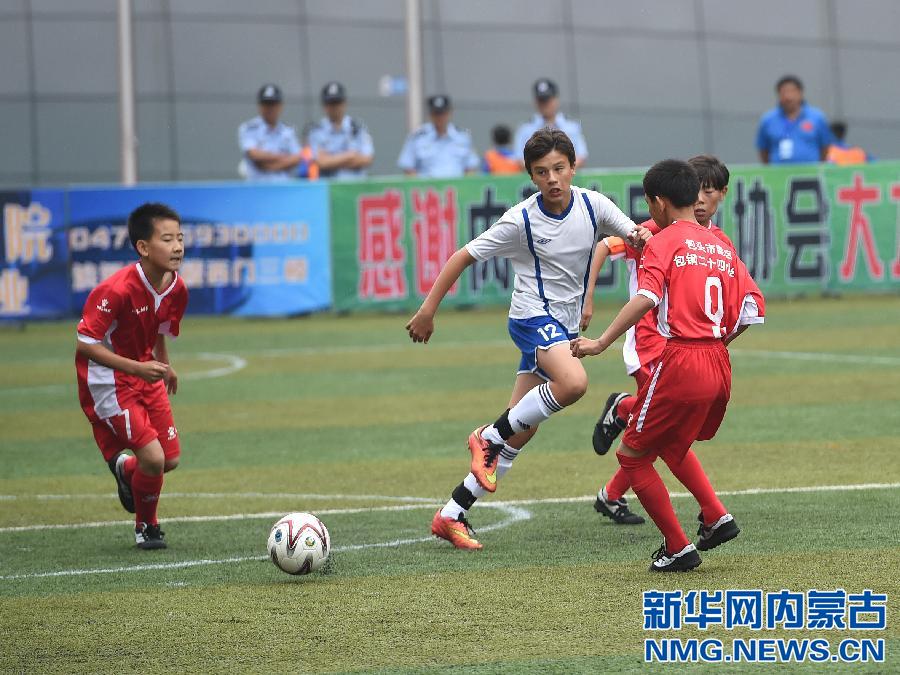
column 438, row 149
column 341, row 145
column 270, row 148
column 546, row 100
column 793, row 131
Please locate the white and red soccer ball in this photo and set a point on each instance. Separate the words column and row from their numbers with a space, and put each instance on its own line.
column 299, row 543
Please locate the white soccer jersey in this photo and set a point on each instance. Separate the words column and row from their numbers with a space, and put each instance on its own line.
column 551, row 254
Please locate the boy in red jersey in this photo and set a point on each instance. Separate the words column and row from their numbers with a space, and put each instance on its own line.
column 704, row 298
column 643, row 343
column 124, row 376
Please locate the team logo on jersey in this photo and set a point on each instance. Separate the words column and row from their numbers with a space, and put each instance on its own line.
column 104, row 306
column 544, row 241
column 141, row 310
column 173, row 432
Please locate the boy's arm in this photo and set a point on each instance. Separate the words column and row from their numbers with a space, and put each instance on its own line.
column 629, row 315
column 421, row 325
column 587, row 310
column 149, row 371
column 728, row 339
column 161, row 352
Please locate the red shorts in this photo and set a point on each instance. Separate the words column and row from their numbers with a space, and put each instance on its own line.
column 642, row 375
column 145, row 420
column 685, row 399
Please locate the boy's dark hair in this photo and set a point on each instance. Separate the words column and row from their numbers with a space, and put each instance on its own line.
column 140, row 221
column 543, row 142
column 711, row 172
column 501, row 135
column 839, row 129
column 674, row 179
column 789, row 79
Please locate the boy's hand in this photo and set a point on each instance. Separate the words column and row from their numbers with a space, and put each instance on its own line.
column 639, row 236
column 582, row 346
column 171, row 380
column 421, row 326
column 587, row 312
column 151, row 371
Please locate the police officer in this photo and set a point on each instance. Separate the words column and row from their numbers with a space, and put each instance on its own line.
column 341, row 145
column 270, row 148
column 546, row 100
column 438, row 149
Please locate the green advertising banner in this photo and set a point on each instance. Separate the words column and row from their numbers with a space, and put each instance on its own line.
column 800, row 230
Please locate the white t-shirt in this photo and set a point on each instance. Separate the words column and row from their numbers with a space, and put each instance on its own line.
column 551, row 254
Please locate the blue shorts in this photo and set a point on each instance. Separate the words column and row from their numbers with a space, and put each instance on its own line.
column 537, row 332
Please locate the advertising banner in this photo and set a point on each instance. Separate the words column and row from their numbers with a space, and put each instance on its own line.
column 249, row 250
column 802, row 229
column 34, row 259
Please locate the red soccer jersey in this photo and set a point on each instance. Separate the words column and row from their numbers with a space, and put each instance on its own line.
column 699, row 285
column 126, row 314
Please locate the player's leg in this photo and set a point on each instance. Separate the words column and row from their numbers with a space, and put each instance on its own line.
column 133, row 429
column 567, row 383
column 717, row 526
column 677, row 552
column 146, row 484
column 116, row 459
column 614, row 418
column 451, row 521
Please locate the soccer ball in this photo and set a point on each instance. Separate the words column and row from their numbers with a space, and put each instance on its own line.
column 299, row 543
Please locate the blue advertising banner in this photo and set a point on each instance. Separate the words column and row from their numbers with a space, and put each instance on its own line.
column 34, row 275
column 250, row 250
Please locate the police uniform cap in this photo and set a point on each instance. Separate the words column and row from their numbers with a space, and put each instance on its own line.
column 545, row 89
column 269, row 93
column 439, row 103
column 334, row 92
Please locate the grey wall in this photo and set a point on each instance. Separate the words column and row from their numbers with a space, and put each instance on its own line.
column 648, row 78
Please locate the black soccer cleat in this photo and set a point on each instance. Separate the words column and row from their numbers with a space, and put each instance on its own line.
column 616, row 510
column 686, row 559
column 125, row 495
column 724, row 529
column 609, row 426
column 149, row 537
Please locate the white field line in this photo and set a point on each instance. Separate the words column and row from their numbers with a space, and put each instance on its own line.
column 514, row 514
column 426, row 502
column 233, row 363
column 224, row 495
column 511, row 508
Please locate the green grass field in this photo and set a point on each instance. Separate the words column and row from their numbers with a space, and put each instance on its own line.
column 343, row 417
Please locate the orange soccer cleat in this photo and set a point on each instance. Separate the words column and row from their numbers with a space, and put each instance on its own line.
column 485, row 456
column 457, row 532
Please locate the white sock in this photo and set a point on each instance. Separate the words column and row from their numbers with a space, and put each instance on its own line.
column 507, row 455
column 534, row 407
column 453, row 509
column 472, row 486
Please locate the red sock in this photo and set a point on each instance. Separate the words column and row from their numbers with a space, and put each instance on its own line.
column 623, row 410
column 617, row 485
column 129, row 466
column 654, row 497
column 146, row 491
column 691, row 474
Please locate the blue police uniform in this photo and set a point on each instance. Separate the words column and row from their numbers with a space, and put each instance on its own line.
column 433, row 156
column 256, row 134
column 792, row 141
column 351, row 136
column 571, row 128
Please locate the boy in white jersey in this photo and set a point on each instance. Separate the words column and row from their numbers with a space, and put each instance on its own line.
column 549, row 238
